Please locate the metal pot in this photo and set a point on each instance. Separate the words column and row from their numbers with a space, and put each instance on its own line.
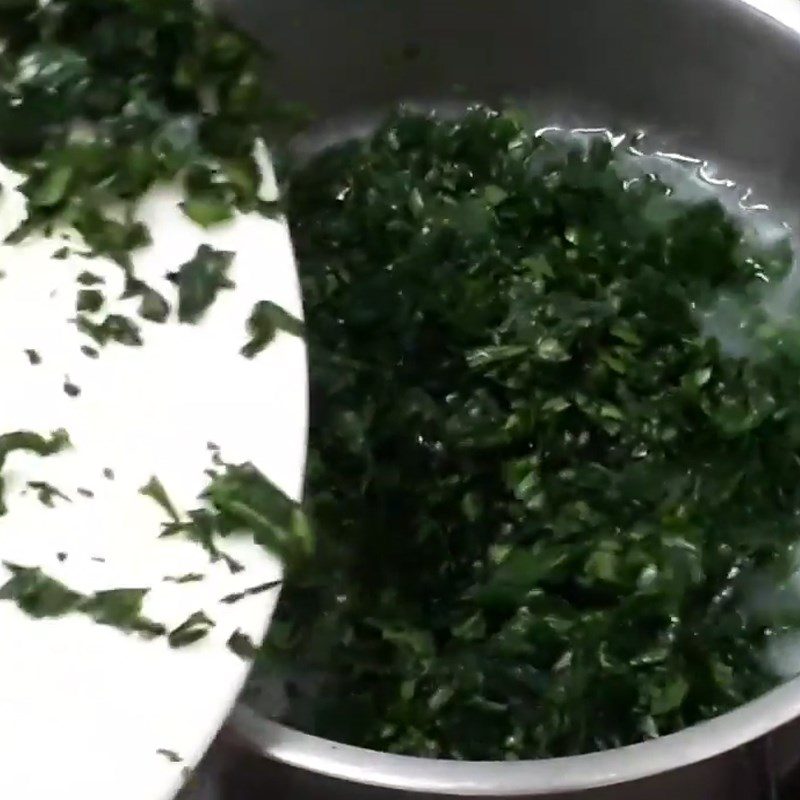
column 713, row 78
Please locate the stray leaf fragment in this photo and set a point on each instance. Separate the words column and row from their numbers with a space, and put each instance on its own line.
column 155, row 490
column 265, row 321
column 170, row 755
column 242, row 645
column 191, row 630
column 200, row 280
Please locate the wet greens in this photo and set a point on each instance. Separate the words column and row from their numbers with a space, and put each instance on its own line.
column 539, row 488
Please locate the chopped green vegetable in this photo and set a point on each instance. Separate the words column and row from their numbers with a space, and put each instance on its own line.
column 114, row 328
column 242, row 499
column 265, row 321
column 155, row 490
column 191, row 630
column 200, row 280
column 153, row 306
column 89, row 279
column 539, row 486
column 235, row 597
column 47, row 493
column 32, row 442
column 208, row 209
column 41, row 596
column 170, row 755
column 189, row 577
column 33, row 357
column 90, row 300
column 242, row 645
column 118, row 608
column 38, row 595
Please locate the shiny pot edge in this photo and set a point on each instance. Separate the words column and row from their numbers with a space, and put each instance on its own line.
column 546, row 776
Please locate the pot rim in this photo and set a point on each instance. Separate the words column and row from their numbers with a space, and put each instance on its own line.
column 693, row 745
column 358, row 765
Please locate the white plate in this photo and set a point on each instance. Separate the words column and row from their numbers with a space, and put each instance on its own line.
column 86, row 708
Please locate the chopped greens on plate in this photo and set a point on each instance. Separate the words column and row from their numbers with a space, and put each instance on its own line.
column 102, row 99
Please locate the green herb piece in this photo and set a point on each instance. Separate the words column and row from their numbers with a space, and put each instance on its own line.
column 240, row 498
column 243, row 499
column 232, row 564
column 33, row 443
column 155, row 490
column 49, row 188
column 89, row 352
column 34, row 357
column 90, row 300
column 89, row 279
column 208, row 209
column 189, row 577
column 170, row 755
column 114, row 328
column 47, row 493
column 235, row 597
column 265, row 321
column 194, row 628
column 153, row 306
column 38, row 595
column 242, row 645
column 200, row 280
column 118, row 608
column 41, row 596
